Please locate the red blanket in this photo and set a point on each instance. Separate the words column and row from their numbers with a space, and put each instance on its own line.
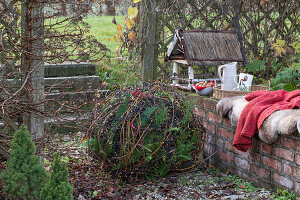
column 261, row 105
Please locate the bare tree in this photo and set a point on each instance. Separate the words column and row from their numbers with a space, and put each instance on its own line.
column 31, row 34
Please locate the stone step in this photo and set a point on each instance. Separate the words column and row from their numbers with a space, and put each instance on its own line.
column 69, row 69
column 64, row 124
column 75, row 83
column 56, row 84
column 67, row 101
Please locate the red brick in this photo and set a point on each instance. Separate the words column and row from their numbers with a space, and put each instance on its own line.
column 195, row 99
column 209, row 104
column 229, row 147
column 209, row 150
column 227, row 157
column 243, row 154
column 283, row 153
column 298, row 159
column 291, row 144
column 292, row 171
column 278, row 141
column 211, row 139
column 226, row 133
column 199, row 112
column 261, row 172
column 241, row 163
column 272, row 163
column 260, row 146
column 282, row 181
column 254, row 157
column 210, row 127
column 266, row 148
column 242, row 174
column 220, row 143
column 227, row 122
column 297, row 188
column 214, row 117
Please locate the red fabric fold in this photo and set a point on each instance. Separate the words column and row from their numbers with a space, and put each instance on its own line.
column 261, row 105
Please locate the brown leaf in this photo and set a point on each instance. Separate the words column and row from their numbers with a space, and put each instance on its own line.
column 111, row 188
column 119, row 27
column 100, row 194
column 132, row 36
column 110, row 194
column 289, row 50
column 129, row 24
column 231, row 184
column 242, row 186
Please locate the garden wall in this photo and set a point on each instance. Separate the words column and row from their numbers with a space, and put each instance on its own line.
column 269, row 166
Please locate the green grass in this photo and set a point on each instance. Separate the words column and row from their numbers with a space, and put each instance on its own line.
column 104, row 30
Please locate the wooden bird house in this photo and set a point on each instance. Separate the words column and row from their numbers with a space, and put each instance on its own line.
column 202, row 48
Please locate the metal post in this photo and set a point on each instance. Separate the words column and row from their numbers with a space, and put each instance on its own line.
column 175, row 74
column 191, row 76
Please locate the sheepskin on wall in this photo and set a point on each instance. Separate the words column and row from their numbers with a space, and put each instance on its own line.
column 283, row 122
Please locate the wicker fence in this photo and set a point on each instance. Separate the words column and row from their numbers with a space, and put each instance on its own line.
column 258, row 23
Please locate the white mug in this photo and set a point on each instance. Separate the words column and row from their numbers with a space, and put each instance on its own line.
column 245, row 81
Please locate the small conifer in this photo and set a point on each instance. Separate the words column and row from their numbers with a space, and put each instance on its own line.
column 58, row 186
column 25, row 175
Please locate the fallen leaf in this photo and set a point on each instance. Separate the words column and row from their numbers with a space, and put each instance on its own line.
column 129, row 24
column 230, row 184
column 111, row 188
column 119, row 27
column 100, row 194
column 128, row 197
column 242, row 186
column 132, row 36
column 132, row 12
column 120, row 37
column 83, row 139
column 111, row 195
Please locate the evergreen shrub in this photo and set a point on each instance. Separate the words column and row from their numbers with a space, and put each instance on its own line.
column 58, row 186
column 25, row 175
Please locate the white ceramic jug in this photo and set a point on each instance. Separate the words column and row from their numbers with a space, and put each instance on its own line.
column 228, row 76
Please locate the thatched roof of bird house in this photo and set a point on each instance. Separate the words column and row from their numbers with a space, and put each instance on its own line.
column 205, row 47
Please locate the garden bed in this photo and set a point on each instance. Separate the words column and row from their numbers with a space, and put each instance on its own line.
column 92, row 183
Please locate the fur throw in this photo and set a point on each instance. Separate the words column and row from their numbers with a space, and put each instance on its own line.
column 284, row 122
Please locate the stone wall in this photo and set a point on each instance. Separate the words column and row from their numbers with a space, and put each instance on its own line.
column 269, row 166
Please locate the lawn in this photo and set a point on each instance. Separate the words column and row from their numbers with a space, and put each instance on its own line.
column 104, row 30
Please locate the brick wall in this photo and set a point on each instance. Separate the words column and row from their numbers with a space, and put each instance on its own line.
column 269, row 166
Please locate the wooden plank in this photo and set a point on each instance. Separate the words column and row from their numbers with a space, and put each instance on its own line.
column 33, row 66
column 236, row 23
column 181, row 61
column 148, row 72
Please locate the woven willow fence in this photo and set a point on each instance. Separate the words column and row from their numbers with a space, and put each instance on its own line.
column 32, row 32
column 258, row 23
